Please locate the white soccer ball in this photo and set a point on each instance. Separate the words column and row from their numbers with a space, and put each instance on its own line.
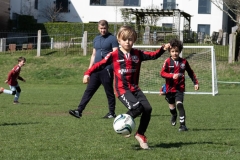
column 123, row 124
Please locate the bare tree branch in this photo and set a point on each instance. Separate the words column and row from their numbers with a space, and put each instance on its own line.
column 51, row 12
column 228, row 6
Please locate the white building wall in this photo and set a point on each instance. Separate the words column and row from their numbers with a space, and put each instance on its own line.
column 81, row 11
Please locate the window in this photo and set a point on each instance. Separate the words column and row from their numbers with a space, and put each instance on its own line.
column 62, row 4
column 169, row 4
column 36, row 4
column 204, row 7
column 131, row 3
column 98, row 2
column 204, row 28
column 167, row 26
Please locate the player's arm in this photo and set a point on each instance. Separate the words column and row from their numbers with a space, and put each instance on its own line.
column 10, row 74
column 146, row 55
column 164, row 71
column 92, row 58
column 22, row 79
column 99, row 65
column 192, row 75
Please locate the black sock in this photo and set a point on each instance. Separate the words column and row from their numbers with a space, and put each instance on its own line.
column 182, row 115
column 173, row 111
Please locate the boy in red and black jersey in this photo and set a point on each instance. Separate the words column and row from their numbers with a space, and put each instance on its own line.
column 173, row 71
column 13, row 76
column 126, row 63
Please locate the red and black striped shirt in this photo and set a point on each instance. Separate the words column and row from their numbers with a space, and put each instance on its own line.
column 170, row 67
column 126, row 70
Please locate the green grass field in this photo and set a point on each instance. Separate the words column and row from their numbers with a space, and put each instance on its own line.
column 41, row 128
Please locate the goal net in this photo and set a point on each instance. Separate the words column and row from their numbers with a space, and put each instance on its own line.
column 201, row 60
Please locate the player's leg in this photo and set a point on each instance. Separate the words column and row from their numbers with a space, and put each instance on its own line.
column 170, row 98
column 181, row 110
column 92, row 87
column 135, row 109
column 144, row 120
column 1, row 90
column 12, row 90
column 17, row 95
column 106, row 76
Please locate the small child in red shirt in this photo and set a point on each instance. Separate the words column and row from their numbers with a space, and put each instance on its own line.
column 13, row 75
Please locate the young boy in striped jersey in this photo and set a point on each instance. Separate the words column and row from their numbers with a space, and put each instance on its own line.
column 126, row 62
column 173, row 71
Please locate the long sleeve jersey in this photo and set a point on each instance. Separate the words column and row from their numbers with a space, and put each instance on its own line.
column 171, row 67
column 13, row 75
column 126, row 69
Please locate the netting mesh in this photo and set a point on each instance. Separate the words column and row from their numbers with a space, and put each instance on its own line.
column 200, row 60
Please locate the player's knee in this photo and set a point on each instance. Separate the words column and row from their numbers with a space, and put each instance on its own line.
column 135, row 112
column 18, row 89
column 179, row 105
column 14, row 92
column 148, row 110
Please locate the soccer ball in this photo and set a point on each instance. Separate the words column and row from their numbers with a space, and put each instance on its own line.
column 123, row 124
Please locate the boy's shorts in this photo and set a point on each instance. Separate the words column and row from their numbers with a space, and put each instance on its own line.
column 172, row 97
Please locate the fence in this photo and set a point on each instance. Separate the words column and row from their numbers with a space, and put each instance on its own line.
column 72, row 44
column 63, row 43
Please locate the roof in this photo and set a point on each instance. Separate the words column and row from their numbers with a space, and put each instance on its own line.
column 160, row 12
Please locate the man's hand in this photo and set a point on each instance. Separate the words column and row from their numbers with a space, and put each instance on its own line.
column 86, row 79
column 6, row 81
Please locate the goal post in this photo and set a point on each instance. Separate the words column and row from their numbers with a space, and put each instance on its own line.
column 202, row 61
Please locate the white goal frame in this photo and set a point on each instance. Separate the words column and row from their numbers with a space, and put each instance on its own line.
column 214, row 87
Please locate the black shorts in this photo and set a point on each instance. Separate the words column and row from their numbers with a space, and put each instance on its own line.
column 133, row 100
column 171, row 98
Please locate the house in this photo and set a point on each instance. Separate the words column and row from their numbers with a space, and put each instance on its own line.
column 205, row 17
column 4, row 13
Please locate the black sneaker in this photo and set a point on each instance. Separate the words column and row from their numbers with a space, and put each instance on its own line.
column 110, row 115
column 183, row 128
column 75, row 113
column 174, row 120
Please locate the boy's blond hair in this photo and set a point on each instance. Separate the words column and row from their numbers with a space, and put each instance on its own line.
column 126, row 32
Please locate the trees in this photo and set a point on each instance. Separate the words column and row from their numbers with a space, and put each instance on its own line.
column 51, row 12
column 230, row 7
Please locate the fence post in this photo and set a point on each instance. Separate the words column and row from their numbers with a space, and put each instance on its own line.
column 225, row 39
column 39, row 43
column 84, row 43
column 51, row 43
column 3, row 45
column 232, row 47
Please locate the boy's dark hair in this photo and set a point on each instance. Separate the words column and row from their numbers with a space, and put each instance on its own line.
column 21, row 59
column 176, row 43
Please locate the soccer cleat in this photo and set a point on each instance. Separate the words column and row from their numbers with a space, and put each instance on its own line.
column 15, row 102
column 75, row 113
column 174, row 120
column 183, row 128
column 110, row 115
column 142, row 141
column 1, row 90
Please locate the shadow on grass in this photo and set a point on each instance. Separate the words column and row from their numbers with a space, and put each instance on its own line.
column 178, row 144
column 16, row 124
column 45, row 104
column 212, row 129
column 50, row 53
column 159, row 115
